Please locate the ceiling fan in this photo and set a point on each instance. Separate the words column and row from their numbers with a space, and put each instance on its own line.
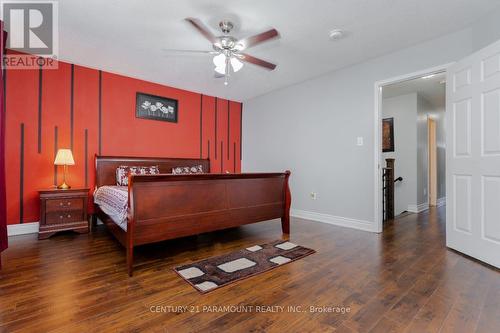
column 227, row 50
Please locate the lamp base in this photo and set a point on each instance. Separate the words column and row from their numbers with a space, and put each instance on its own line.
column 64, row 186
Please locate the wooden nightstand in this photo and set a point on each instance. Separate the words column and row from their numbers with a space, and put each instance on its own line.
column 62, row 210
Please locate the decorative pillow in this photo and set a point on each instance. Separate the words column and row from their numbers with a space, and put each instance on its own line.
column 123, row 171
column 186, row 170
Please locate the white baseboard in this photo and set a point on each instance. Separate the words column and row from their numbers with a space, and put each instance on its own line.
column 32, row 228
column 22, row 229
column 27, row 228
column 418, row 208
column 441, row 202
column 335, row 220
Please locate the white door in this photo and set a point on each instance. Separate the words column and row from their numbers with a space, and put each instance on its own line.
column 473, row 155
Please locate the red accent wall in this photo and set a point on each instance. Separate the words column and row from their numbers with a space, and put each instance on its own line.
column 44, row 112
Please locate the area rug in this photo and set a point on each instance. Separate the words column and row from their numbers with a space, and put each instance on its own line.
column 210, row 274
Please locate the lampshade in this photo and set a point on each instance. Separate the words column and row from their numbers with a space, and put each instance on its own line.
column 220, row 60
column 221, row 70
column 220, row 63
column 64, row 157
column 236, row 64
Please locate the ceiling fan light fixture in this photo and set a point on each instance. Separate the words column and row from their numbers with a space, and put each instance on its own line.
column 236, row 64
column 221, row 69
column 220, row 63
column 220, row 60
column 226, row 48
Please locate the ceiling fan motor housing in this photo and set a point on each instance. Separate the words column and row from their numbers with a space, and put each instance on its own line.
column 226, row 26
column 227, row 42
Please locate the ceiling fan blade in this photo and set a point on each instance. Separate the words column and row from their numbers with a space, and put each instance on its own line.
column 256, row 61
column 202, row 29
column 245, row 43
column 176, row 51
column 218, row 75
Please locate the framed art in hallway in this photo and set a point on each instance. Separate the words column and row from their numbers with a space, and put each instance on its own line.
column 156, row 107
column 387, row 135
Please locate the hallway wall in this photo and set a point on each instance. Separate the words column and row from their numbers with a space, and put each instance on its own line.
column 426, row 110
column 403, row 109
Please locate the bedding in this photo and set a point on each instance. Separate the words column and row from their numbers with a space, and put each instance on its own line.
column 123, row 171
column 113, row 201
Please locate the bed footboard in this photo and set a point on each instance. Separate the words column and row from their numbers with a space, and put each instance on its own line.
column 164, row 207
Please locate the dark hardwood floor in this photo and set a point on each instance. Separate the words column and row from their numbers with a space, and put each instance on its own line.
column 403, row 280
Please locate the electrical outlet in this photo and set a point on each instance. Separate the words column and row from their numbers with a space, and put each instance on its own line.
column 313, row 195
column 359, row 141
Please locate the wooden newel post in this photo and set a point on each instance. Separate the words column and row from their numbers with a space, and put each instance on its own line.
column 389, row 188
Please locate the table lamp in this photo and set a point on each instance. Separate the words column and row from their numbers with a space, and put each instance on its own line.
column 64, row 157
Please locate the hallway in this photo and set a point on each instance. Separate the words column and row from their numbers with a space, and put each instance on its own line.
column 458, row 294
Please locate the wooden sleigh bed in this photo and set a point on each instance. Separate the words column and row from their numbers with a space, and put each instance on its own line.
column 168, row 206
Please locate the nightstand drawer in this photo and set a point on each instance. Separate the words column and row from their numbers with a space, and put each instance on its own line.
column 64, row 217
column 62, row 210
column 57, row 205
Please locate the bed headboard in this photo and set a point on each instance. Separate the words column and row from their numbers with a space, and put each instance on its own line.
column 105, row 166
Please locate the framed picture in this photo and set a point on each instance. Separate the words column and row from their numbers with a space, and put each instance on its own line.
column 156, row 107
column 387, row 135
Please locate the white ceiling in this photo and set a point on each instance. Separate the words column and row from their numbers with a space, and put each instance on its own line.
column 432, row 89
column 127, row 36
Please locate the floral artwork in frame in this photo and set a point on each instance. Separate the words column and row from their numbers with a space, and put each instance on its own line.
column 156, row 107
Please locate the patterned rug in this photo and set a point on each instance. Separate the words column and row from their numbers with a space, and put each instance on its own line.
column 210, row 274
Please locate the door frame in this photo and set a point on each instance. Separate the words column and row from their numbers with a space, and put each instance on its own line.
column 378, row 209
column 432, row 157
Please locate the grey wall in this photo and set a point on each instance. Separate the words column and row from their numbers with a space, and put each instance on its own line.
column 423, row 110
column 311, row 128
column 404, row 111
column 427, row 110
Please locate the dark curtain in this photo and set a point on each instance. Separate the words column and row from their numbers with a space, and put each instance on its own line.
column 3, row 209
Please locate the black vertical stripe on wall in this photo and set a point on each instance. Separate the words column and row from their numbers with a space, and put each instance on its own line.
column 71, row 107
column 21, row 177
column 216, row 105
column 40, row 82
column 86, row 157
column 228, row 120
column 100, row 113
column 201, row 126
column 241, row 131
column 55, row 153
column 221, row 157
column 234, row 155
column 208, row 150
